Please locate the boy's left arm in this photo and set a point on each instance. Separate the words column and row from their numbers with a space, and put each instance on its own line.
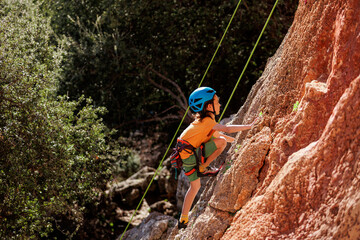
column 233, row 128
column 226, row 137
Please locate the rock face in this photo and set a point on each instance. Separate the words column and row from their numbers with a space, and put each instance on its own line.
column 155, row 226
column 183, row 186
column 237, row 184
column 121, row 198
column 296, row 174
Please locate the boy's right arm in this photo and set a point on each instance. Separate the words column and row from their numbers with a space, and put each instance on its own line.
column 233, row 128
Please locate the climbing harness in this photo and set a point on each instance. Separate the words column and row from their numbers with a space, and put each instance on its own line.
column 176, row 161
column 187, row 110
column 175, row 158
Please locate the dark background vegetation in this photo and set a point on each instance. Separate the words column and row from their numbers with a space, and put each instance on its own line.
column 125, row 53
column 71, row 71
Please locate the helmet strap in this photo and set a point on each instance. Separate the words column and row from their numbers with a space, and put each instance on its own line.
column 213, row 107
column 213, row 111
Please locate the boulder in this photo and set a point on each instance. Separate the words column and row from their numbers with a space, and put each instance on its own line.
column 236, row 185
column 155, row 227
column 164, row 207
column 127, row 194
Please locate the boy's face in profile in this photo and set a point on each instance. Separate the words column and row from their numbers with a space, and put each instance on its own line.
column 217, row 106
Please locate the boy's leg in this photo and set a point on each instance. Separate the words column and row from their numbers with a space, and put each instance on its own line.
column 189, row 165
column 220, row 146
column 188, row 201
column 190, row 196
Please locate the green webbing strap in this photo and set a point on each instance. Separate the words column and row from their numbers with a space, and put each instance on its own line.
column 182, row 120
column 247, row 63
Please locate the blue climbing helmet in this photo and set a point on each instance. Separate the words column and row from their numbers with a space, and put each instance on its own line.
column 199, row 97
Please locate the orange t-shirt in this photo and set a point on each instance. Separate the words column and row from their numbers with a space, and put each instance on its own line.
column 197, row 133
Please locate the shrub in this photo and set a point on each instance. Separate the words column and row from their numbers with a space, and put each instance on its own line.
column 52, row 149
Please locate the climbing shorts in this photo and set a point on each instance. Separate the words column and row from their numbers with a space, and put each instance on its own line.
column 190, row 162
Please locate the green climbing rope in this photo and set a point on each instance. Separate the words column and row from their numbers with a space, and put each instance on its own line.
column 248, row 61
column 187, row 110
column 222, row 38
column 182, row 120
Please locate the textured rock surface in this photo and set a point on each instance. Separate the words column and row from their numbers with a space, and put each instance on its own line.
column 296, row 174
column 316, row 194
column 128, row 192
column 236, row 186
column 155, row 226
column 183, row 186
column 122, row 198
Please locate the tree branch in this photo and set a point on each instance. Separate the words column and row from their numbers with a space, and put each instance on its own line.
column 180, row 97
column 153, row 119
column 166, row 90
column 171, row 82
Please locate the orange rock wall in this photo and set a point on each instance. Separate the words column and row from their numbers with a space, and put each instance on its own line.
column 296, row 174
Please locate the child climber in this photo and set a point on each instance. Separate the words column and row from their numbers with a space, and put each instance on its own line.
column 202, row 137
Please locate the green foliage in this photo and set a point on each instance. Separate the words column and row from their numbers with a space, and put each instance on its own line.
column 115, row 45
column 227, row 167
column 238, row 146
column 52, row 149
column 125, row 161
column 296, row 106
column 56, row 152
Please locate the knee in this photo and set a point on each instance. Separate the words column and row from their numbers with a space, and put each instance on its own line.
column 195, row 186
column 220, row 143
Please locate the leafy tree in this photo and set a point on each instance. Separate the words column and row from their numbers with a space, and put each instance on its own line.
column 138, row 58
column 53, row 150
column 141, row 58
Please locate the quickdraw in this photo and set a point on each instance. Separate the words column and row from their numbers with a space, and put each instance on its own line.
column 176, row 160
